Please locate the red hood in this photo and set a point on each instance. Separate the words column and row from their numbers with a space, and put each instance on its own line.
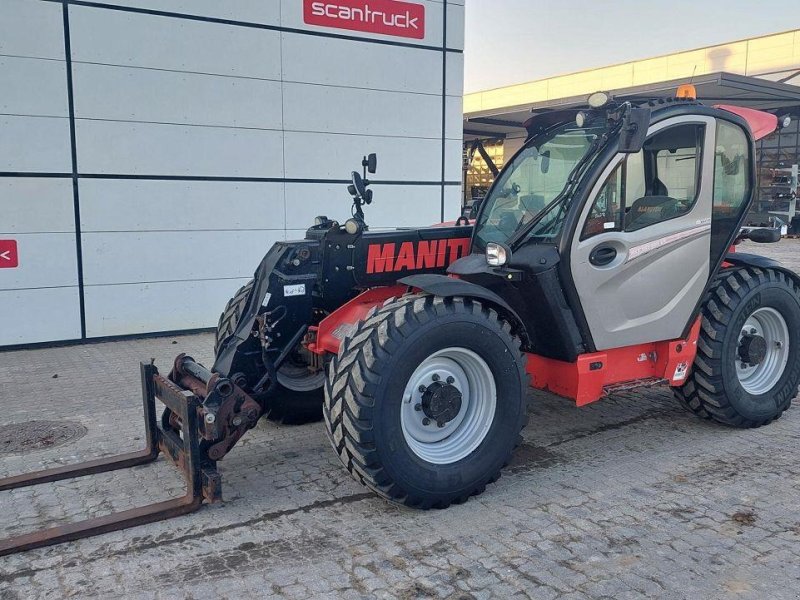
column 761, row 123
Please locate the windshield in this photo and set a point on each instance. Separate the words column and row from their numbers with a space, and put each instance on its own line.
column 533, row 179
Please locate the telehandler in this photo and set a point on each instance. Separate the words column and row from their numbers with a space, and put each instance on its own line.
column 601, row 259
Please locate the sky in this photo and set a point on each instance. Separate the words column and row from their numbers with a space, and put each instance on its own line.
column 513, row 41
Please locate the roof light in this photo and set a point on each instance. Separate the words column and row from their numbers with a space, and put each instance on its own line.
column 686, row 91
column 598, row 99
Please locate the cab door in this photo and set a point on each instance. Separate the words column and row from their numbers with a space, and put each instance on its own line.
column 640, row 258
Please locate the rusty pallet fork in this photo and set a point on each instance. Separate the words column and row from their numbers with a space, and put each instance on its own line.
column 204, row 417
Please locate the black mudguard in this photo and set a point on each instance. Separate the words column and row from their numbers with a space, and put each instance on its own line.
column 448, row 287
column 743, row 259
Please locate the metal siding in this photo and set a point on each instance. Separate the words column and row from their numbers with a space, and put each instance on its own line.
column 34, row 205
column 329, row 61
column 327, row 109
column 31, row 28
column 147, row 307
column 34, row 144
column 148, row 41
column 131, row 205
column 143, row 257
column 393, row 205
column 109, row 147
column 164, row 97
column 24, row 316
column 312, row 155
column 144, row 95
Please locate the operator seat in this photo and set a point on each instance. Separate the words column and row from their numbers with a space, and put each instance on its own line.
column 654, row 207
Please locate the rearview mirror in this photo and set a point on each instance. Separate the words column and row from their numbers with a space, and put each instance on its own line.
column 545, row 161
column 634, row 130
column 764, row 235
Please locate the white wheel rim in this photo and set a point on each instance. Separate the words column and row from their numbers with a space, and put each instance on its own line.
column 458, row 438
column 761, row 378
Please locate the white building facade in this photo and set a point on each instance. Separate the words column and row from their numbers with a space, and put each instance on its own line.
column 151, row 151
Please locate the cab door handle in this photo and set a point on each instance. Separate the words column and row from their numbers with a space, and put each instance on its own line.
column 602, row 256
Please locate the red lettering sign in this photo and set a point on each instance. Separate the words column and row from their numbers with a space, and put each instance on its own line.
column 411, row 256
column 386, row 17
column 9, row 259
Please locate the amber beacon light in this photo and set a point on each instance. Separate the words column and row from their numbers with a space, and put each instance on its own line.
column 686, row 92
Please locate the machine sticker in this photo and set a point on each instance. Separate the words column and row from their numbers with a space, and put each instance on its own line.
column 680, row 371
column 705, row 221
column 294, row 290
column 642, row 249
column 9, row 257
column 384, row 17
column 266, row 299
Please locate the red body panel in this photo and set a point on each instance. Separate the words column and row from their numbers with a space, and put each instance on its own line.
column 333, row 328
column 761, row 123
column 584, row 380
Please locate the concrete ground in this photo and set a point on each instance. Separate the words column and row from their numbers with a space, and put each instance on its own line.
column 627, row 498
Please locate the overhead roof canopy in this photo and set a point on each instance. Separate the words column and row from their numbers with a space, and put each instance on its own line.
column 712, row 88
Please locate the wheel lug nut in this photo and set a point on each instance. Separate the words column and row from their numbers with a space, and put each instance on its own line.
column 450, row 379
column 440, row 424
column 418, row 407
column 426, row 421
column 422, row 389
column 435, row 377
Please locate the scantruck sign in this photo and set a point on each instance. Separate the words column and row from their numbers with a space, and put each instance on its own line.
column 386, row 17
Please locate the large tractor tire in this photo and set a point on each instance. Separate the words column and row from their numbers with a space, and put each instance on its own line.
column 747, row 369
column 298, row 394
column 425, row 401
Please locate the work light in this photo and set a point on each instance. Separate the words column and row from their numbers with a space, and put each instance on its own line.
column 496, row 254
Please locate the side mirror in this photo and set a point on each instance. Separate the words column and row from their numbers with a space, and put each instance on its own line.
column 763, row 235
column 370, row 163
column 358, row 185
column 634, row 130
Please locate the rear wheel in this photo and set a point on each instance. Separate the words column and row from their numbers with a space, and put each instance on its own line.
column 425, row 402
column 747, row 369
column 298, row 394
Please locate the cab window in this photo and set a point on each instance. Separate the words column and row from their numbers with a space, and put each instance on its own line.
column 658, row 183
column 731, row 170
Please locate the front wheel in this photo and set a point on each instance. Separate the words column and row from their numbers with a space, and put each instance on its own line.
column 747, row 368
column 425, row 402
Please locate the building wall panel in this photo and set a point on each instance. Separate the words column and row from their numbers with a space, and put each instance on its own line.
column 34, row 316
column 109, row 205
column 108, row 147
column 139, row 308
column 140, row 40
column 145, row 95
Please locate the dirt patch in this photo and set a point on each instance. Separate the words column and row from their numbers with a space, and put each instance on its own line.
column 744, row 517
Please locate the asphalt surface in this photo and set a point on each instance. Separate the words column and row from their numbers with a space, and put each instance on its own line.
column 628, row 498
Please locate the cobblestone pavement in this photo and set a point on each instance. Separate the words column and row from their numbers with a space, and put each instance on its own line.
column 627, row 498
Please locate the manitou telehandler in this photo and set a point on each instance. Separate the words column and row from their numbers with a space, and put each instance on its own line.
column 601, row 259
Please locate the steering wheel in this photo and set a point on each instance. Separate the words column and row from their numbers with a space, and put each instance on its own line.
column 358, row 184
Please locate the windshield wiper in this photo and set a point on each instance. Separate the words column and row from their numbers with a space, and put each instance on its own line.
column 573, row 178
